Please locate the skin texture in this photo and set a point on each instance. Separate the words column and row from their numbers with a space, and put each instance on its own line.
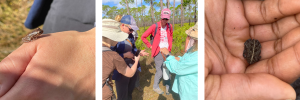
column 55, row 66
column 228, row 24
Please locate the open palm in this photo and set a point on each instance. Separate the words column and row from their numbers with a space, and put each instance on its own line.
column 228, row 24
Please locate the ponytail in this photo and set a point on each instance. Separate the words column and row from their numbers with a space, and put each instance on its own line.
column 118, row 18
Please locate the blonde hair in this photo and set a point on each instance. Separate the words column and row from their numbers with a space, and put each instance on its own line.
column 118, row 18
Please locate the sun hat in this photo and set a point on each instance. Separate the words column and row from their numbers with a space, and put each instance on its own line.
column 111, row 30
column 193, row 31
column 165, row 13
column 127, row 19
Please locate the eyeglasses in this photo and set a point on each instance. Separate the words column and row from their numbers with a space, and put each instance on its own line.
column 130, row 29
column 165, row 19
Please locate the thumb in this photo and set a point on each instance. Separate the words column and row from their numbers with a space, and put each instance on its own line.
column 247, row 87
column 13, row 66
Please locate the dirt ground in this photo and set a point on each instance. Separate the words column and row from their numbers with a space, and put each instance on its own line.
column 146, row 83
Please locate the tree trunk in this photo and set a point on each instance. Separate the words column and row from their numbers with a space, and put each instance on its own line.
column 181, row 22
column 189, row 14
column 168, row 2
column 137, row 18
column 173, row 13
column 127, row 8
column 161, row 5
column 195, row 12
column 142, row 14
column 152, row 18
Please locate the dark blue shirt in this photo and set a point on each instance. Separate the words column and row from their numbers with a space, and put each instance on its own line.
column 120, row 49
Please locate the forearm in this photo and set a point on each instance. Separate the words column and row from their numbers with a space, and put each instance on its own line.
column 131, row 71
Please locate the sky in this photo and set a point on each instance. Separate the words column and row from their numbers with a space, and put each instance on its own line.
column 112, row 3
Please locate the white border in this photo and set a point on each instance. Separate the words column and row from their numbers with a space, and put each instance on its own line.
column 201, row 35
column 98, row 41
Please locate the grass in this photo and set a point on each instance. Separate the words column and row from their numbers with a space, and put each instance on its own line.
column 13, row 14
column 148, row 66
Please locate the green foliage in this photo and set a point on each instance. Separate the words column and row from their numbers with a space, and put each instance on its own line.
column 187, row 2
column 179, row 37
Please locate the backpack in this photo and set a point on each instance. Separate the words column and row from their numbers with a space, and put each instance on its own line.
column 152, row 37
column 106, row 82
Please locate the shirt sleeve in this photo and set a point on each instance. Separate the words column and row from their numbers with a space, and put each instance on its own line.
column 119, row 48
column 119, row 64
column 149, row 31
column 187, row 64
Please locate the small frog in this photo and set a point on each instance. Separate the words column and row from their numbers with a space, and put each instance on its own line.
column 32, row 36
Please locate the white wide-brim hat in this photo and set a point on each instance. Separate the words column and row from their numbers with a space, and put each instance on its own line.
column 193, row 31
column 111, row 30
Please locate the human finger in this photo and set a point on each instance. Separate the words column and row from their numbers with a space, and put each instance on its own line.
column 271, row 48
column 268, row 11
column 13, row 66
column 236, row 28
column 247, row 87
column 274, row 30
column 284, row 65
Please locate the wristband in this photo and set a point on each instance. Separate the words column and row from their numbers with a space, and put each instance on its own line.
column 168, row 55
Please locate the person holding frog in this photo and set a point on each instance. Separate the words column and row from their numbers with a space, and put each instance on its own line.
column 126, row 49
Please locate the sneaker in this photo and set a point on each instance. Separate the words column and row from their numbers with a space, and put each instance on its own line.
column 158, row 90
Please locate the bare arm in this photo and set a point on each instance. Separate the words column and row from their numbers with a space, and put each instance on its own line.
column 131, row 71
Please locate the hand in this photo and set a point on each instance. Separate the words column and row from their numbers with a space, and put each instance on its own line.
column 55, row 66
column 143, row 53
column 165, row 51
column 137, row 58
column 128, row 54
column 228, row 24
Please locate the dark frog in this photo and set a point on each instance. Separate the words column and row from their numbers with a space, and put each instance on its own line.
column 252, row 51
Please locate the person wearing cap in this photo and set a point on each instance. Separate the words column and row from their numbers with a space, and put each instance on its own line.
column 163, row 37
column 185, row 68
column 126, row 49
column 111, row 35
